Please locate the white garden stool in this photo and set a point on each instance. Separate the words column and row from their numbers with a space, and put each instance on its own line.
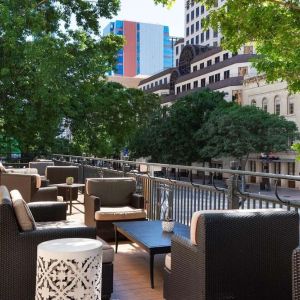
column 69, row 269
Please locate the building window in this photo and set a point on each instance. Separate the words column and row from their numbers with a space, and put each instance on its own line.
column 216, row 3
column 226, row 74
column 177, row 50
column 243, row 71
column 152, row 85
column 252, row 166
column 248, row 49
column 225, row 56
column 194, row 68
column 192, row 28
column 188, row 86
column 207, row 34
column 192, row 41
column 156, row 83
column 202, row 37
column 209, row 62
column 178, row 90
column 197, row 26
column 277, row 167
column 211, row 79
column 217, row 77
column 215, row 44
column 187, row 31
column 187, row 18
column 192, row 15
column 291, row 109
column 202, row 9
column 215, row 34
column 197, row 12
column 202, row 66
column 197, row 40
column 160, row 81
column 165, row 80
column 187, row 42
column 277, row 105
column 177, row 62
column 203, row 82
column 217, row 59
column 195, row 84
column 291, row 168
column 253, row 102
column 265, row 104
column 184, row 88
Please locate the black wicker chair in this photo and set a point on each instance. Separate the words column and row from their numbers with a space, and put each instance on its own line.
column 236, row 255
column 18, row 250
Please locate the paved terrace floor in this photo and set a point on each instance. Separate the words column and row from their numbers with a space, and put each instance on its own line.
column 131, row 270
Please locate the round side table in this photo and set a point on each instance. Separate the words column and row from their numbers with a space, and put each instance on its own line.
column 69, row 269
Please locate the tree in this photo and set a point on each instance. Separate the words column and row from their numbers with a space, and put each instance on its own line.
column 272, row 25
column 236, row 131
column 47, row 62
column 103, row 123
column 169, row 136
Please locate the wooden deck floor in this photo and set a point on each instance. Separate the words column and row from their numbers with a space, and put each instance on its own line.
column 131, row 270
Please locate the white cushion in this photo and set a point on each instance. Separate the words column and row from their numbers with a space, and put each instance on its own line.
column 168, row 259
column 22, row 212
column 119, row 213
column 2, row 168
column 194, row 223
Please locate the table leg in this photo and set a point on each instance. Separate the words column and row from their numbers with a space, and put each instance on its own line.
column 151, row 270
column 116, row 239
column 71, row 196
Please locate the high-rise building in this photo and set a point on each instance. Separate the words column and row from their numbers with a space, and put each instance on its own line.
column 147, row 50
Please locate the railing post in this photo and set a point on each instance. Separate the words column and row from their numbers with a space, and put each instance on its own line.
column 233, row 198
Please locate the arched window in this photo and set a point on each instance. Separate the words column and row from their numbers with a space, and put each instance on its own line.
column 253, row 102
column 290, row 103
column 265, row 104
column 277, row 105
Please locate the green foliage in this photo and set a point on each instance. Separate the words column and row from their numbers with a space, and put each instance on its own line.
column 272, row 25
column 169, row 136
column 296, row 148
column 103, row 123
column 46, row 63
column 237, row 131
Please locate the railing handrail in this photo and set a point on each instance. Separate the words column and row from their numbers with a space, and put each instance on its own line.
column 183, row 167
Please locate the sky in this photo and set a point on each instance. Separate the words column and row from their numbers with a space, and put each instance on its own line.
column 145, row 11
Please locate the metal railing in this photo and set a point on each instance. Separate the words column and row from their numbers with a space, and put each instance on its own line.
column 188, row 194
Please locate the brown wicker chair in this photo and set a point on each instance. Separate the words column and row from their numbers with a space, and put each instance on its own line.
column 29, row 186
column 18, row 250
column 108, row 200
column 240, row 254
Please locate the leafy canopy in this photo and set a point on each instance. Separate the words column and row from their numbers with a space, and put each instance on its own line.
column 47, row 62
column 272, row 25
column 236, row 131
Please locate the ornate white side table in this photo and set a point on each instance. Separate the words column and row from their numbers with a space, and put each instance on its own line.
column 69, row 269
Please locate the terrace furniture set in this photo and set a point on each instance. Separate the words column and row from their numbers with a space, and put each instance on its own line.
column 232, row 254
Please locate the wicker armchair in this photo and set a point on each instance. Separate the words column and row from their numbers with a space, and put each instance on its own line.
column 108, row 200
column 18, row 250
column 240, row 254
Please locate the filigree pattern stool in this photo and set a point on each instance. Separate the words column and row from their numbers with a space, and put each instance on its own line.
column 69, row 269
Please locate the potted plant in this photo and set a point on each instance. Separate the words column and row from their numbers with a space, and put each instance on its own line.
column 69, row 180
column 166, row 209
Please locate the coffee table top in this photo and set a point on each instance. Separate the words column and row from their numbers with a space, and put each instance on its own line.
column 149, row 234
column 73, row 185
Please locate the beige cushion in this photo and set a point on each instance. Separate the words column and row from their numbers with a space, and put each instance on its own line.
column 168, row 261
column 119, row 213
column 2, row 168
column 22, row 212
column 108, row 251
column 30, row 171
column 194, row 223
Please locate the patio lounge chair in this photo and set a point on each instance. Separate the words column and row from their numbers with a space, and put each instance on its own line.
column 108, row 200
column 238, row 255
column 18, row 248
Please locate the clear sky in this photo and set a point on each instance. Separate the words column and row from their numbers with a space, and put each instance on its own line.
column 146, row 11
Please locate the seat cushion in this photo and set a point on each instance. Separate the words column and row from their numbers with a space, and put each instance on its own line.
column 58, row 224
column 168, row 261
column 108, row 251
column 24, row 216
column 119, row 213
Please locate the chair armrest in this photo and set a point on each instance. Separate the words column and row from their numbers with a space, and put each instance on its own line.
column 45, row 194
column 91, row 205
column 137, row 201
column 48, row 211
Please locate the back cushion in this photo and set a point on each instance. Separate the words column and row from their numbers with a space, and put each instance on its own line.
column 194, row 227
column 111, row 191
column 24, row 216
column 58, row 174
column 41, row 166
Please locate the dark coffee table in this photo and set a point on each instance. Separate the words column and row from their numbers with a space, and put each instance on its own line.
column 149, row 236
